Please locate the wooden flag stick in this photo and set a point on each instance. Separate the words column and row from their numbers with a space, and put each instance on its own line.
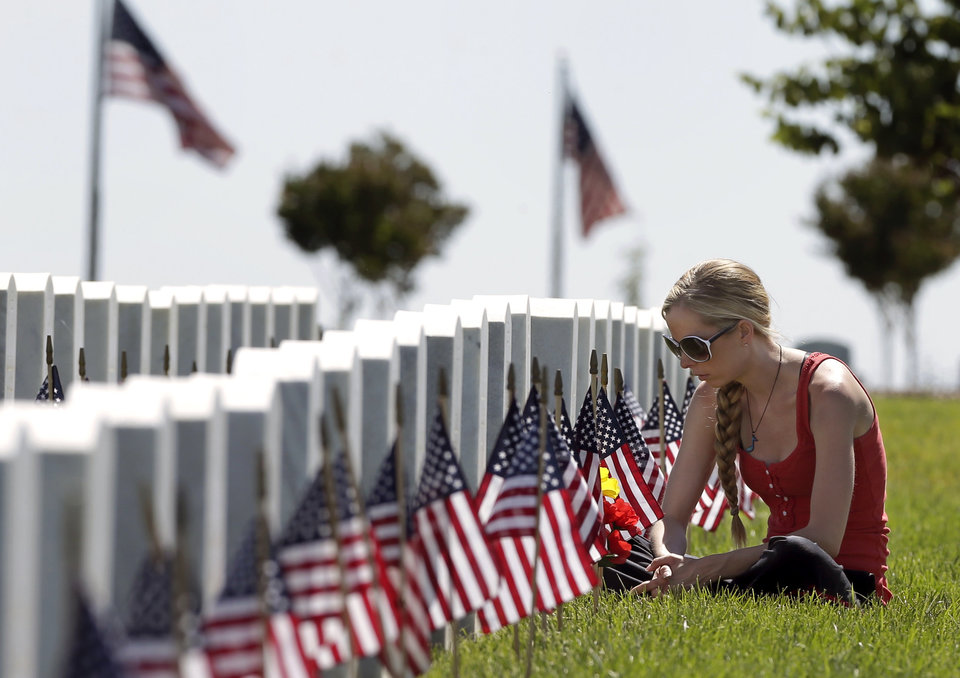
column 262, row 547
column 512, row 394
column 558, row 420
column 82, row 365
column 179, row 574
column 593, row 402
column 618, row 382
column 229, row 361
column 452, row 637
column 402, row 533
column 166, row 360
column 661, row 415
column 361, row 513
column 603, row 371
column 50, row 368
column 335, row 529
column 123, row 366
column 541, row 451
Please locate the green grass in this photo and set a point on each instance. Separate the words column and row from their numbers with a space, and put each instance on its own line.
column 700, row 634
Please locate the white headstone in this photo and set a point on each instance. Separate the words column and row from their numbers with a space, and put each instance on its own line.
column 133, row 328
column 443, row 337
column 411, row 350
column 163, row 331
column 261, row 316
column 67, row 327
column 217, row 311
column 284, row 314
column 603, row 329
column 615, row 357
column 586, row 343
column 191, row 337
column 307, row 299
column 33, row 315
column 473, row 420
column 496, row 344
column 100, row 338
column 554, row 334
column 377, row 374
column 648, row 351
column 11, row 443
column 630, row 355
column 298, row 383
column 239, row 302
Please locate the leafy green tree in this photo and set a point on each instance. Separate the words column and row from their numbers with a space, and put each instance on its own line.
column 382, row 212
column 894, row 89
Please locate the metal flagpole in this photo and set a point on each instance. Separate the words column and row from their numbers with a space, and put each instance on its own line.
column 101, row 15
column 556, row 268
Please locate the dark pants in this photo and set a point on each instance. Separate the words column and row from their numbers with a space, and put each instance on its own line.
column 788, row 565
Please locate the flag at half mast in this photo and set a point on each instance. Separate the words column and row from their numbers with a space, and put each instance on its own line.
column 136, row 69
column 598, row 196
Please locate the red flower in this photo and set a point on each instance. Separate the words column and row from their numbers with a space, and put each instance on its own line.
column 618, row 515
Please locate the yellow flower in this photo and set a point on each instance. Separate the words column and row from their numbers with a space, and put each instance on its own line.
column 609, row 486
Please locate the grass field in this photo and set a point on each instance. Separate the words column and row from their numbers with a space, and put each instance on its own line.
column 699, row 634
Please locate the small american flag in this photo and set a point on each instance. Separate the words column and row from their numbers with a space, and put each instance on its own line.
column 617, row 456
column 136, row 69
column 91, row 652
column 563, row 566
column 688, row 395
column 452, row 571
column 672, row 427
column 43, row 395
column 252, row 613
column 632, row 404
column 585, row 491
column 641, row 453
column 330, row 577
column 598, row 196
column 150, row 649
column 492, row 481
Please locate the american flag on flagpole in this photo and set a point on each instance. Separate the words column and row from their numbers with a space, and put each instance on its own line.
column 150, row 648
column 564, row 568
column 618, row 458
column 645, row 461
column 136, row 69
column 598, row 196
column 252, row 614
column 91, row 652
column 329, row 575
column 452, row 571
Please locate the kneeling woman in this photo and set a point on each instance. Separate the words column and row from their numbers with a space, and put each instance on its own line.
column 807, row 437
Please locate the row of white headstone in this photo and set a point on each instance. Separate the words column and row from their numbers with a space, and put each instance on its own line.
column 195, row 325
column 72, row 477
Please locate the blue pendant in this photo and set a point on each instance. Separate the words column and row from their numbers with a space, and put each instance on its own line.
column 752, row 443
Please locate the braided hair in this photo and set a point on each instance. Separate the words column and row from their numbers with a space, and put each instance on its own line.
column 723, row 291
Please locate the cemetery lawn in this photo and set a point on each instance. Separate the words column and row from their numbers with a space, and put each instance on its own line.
column 699, row 634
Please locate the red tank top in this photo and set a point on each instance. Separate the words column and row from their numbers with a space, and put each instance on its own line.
column 785, row 487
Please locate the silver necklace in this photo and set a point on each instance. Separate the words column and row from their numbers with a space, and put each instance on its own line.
column 753, row 430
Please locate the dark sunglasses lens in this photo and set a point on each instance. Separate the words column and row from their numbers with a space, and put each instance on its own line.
column 696, row 348
column 672, row 345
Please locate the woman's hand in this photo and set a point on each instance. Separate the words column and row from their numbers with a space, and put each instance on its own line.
column 663, row 568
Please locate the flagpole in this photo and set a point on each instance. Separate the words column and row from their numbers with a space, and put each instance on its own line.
column 539, row 382
column 100, row 19
column 558, row 420
column 593, row 402
column 556, row 268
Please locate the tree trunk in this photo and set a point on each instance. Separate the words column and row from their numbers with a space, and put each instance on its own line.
column 887, row 336
column 910, row 343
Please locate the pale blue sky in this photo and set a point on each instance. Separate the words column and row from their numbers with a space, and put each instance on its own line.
column 471, row 89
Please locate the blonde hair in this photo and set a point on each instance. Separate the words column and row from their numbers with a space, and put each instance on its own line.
column 723, row 291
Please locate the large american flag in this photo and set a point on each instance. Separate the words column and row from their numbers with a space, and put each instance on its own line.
column 645, row 461
column 136, row 69
column 598, row 196
column 337, row 579
column 617, row 456
column 150, row 648
column 452, row 571
column 252, row 616
column 563, row 567
column 90, row 653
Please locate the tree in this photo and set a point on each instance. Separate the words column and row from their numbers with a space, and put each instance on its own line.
column 382, row 212
column 895, row 90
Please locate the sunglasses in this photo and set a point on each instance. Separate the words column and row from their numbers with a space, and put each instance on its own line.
column 695, row 348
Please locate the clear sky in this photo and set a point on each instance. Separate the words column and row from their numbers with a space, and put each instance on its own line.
column 471, row 88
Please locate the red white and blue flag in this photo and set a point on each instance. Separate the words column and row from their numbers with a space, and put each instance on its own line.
column 645, row 462
column 150, row 649
column 136, row 69
column 562, row 568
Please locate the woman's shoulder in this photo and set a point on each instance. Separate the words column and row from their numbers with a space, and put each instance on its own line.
column 834, row 387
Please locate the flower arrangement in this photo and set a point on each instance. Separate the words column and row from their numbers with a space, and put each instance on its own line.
column 619, row 520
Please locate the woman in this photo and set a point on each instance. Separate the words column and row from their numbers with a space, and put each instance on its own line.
column 808, row 442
